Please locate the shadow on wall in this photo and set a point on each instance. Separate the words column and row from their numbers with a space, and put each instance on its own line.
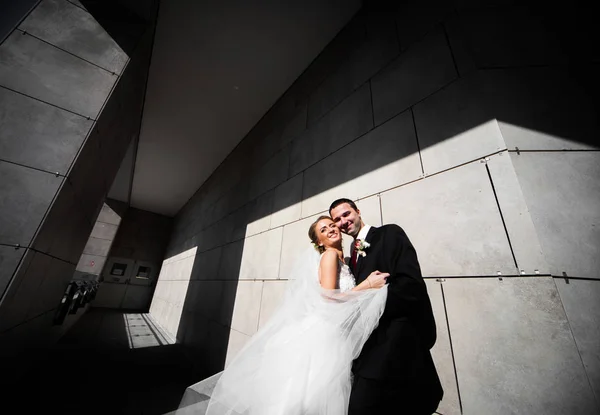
column 450, row 86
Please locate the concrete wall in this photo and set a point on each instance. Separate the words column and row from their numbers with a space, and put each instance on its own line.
column 141, row 240
column 71, row 91
column 473, row 128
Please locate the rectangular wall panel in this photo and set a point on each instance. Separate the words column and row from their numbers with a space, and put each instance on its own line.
column 73, row 29
column 39, row 135
column 26, row 196
column 523, row 236
column 42, row 71
column 453, row 221
column 442, row 352
column 381, row 159
column 514, row 350
column 581, row 300
column 562, row 192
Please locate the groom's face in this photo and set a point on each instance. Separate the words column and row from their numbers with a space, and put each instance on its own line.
column 347, row 219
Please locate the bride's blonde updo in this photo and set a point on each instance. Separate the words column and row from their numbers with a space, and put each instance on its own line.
column 312, row 233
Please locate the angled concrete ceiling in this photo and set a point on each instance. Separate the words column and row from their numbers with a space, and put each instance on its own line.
column 217, row 67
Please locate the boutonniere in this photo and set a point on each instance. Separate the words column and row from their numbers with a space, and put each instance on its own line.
column 361, row 247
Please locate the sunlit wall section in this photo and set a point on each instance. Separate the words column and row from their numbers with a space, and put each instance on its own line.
column 473, row 128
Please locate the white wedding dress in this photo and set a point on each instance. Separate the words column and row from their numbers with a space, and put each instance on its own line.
column 299, row 362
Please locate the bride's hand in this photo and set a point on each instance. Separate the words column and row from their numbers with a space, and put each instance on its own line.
column 377, row 279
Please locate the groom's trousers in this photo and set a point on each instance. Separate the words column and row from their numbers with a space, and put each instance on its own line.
column 370, row 397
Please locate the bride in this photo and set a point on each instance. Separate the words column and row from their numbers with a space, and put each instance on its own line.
column 300, row 361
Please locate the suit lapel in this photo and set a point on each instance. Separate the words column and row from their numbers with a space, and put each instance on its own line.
column 360, row 258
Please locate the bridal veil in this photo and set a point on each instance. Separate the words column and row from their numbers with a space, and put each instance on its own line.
column 299, row 362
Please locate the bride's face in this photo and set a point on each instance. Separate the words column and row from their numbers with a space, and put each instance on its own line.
column 328, row 233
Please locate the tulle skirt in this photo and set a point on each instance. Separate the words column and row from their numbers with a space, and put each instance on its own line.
column 299, row 362
column 304, row 368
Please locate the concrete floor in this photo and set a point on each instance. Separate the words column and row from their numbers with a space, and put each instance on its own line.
column 110, row 362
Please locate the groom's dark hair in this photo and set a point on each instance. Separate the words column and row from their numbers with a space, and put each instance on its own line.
column 338, row 202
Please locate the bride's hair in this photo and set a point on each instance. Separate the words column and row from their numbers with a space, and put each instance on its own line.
column 312, row 233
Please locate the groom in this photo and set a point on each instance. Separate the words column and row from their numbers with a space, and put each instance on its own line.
column 394, row 373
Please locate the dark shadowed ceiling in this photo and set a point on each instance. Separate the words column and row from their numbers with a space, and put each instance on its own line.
column 217, row 67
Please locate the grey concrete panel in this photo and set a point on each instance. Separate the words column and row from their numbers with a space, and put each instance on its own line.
column 537, row 109
column 546, row 109
column 96, row 246
column 262, row 145
column 254, row 217
column 453, row 126
column 454, row 223
column 91, row 264
column 237, row 341
column 419, row 72
column 370, row 210
column 194, row 331
column 581, row 300
column 215, row 235
column 260, row 256
column 217, row 346
column 49, row 293
column 349, row 120
column 26, row 195
column 65, row 229
column 204, row 298
column 230, row 262
column 206, row 265
column 9, row 259
column 91, row 174
column 332, row 57
column 272, row 296
column 295, row 241
column 489, row 43
column 296, row 125
column 562, row 192
column 104, row 231
column 416, row 19
column 23, row 291
column 42, row 71
column 368, row 57
column 246, row 307
column 442, row 352
column 382, row 159
column 117, row 128
column 38, row 135
column 287, row 201
column 514, row 350
column 73, row 29
column 271, row 174
column 77, row 3
column 121, row 185
column 522, row 233
column 109, row 215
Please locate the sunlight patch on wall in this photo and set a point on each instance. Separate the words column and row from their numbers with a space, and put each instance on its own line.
column 171, row 290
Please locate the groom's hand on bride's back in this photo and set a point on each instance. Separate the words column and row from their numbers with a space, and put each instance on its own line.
column 378, row 279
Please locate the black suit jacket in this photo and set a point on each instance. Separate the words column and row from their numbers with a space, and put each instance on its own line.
column 398, row 350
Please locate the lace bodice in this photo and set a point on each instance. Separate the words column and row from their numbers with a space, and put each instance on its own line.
column 346, row 280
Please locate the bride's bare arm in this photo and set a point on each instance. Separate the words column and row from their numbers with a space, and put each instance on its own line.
column 375, row 280
column 328, row 270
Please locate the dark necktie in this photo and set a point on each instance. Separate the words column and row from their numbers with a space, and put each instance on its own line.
column 354, row 256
